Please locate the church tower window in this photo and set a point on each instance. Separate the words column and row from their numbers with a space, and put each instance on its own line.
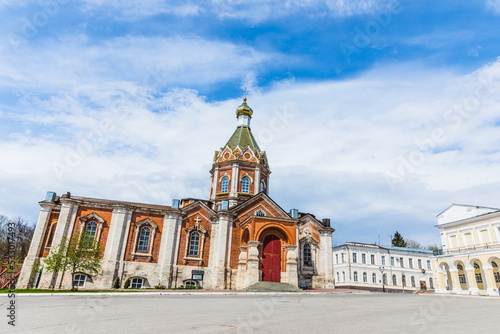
column 224, row 186
column 194, row 243
column 262, row 186
column 245, row 185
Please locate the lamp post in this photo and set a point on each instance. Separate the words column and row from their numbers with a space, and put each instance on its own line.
column 383, row 282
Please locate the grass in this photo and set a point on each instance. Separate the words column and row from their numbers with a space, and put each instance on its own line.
column 5, row 291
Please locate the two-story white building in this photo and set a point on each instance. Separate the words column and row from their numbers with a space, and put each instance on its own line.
column 377, row 268
column 470, row 236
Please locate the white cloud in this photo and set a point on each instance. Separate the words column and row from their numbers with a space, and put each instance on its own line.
column 252, row 11
column 493, row 5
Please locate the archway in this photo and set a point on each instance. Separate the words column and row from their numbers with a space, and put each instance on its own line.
column 496, row 272
column 271, row 259
column 479, row 275
column 462, row 277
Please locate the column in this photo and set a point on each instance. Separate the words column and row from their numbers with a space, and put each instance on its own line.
column 242, row 268
column 169, row 244
column 253, row 272
column 114, row 243
column 291, row 265
column 215, row 181
column 489, row 280
column 325, row 277
column 35, row 247
column 455, row 282
column 471, row 280
column 256, row 180
column 218, row 257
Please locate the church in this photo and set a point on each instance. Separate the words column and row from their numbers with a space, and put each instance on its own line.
column 235, row 239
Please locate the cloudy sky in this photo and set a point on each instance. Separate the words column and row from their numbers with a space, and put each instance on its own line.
column 377, row 114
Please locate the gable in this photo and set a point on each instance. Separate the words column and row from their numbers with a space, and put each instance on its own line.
column 456, row 212
column 260, row 202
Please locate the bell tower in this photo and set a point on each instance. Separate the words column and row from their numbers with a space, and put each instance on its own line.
column 240, row 169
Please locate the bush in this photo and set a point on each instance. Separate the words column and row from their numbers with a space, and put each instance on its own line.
column 116, row 283
column 126, row 285
column 160, row 286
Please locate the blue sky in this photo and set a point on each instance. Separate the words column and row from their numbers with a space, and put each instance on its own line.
column 377, row 114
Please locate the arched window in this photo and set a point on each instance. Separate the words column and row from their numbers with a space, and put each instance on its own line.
column 260, row 213
column 306, row 254
column 374, row 278
column 343, row 276
column 79, row 280
column 431, row 283
column 144, row 235
column 496, row 274
column 365, row 278
column 338, row 277
column 394, row 280
column 245, row 185
column 355, row 276
column 461, row 277
column 412, row 279
column 224, row 185
column 194, row 244
column 384, row 278
column 136, row 283
column 479, row 277
column 403, row 280
column 89, row 234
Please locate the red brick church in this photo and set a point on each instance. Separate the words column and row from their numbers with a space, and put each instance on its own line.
column 236, row 238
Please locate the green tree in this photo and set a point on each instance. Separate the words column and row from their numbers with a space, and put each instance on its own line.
column 75, row 255
column 398, row 241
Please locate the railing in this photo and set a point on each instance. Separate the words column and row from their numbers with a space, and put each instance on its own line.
column 472, row 248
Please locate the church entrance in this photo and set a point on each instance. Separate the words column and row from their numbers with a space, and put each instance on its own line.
column 271, row 259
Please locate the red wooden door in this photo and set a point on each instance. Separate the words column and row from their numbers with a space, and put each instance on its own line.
column 271, row 259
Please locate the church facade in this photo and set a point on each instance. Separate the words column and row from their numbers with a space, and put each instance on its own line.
column 236, row 238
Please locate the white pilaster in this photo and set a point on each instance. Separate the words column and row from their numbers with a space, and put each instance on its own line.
column 257, row 180
column 218, row 258
column 36, row 245
column 169, row 244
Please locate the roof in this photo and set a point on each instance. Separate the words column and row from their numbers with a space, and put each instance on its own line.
column 243, row 137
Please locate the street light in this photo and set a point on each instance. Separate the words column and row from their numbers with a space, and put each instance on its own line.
column 383, row 282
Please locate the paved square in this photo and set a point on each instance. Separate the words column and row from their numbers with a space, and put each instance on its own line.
column 245, row 313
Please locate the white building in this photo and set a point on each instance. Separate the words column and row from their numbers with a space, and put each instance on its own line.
column 470, row 236
column 376, row 268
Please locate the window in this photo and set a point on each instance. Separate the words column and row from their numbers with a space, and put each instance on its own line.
column 89, row 234
column 384, row 278
column 190, row 284
column 343, row 276
column 144, row 239
column 477, row 270
column 307, row 255
column 363, row 258
column 260, row 213
column 136, row 283
column 394, row 280
column 354, row 257
column 79, row 280
column 338, row 277
column 413, row 281
column 496, row 274
column 401, row 262
column 245, row 185
column 429, row 265
column 374, row 278
column 383, row 260
column 365, row 278
column 419, row 264
column 392, row 261
column 224, row 186
column 336, row 258
column 343, row 258
column 194, row 243
column 431, row 283
column 410, row 263
column 461, row 274
column 403, row 280
column 372, row 259
column 355, row 276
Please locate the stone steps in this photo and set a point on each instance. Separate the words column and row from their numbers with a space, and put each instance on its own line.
column 272, row 287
